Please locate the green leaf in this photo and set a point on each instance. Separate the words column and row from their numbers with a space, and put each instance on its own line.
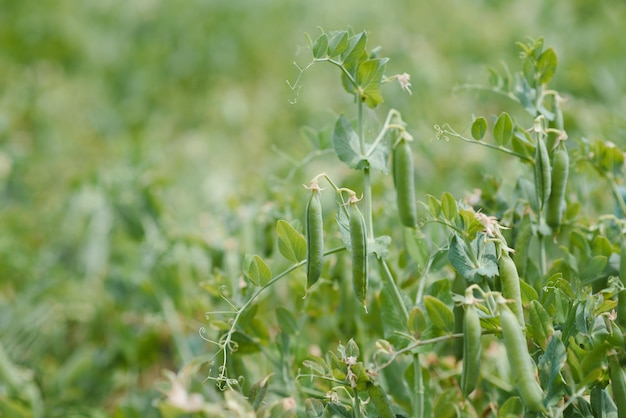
column 434, row 206
column 474, row 262
column 337, row 44
column 479, row 128
column 550, row 366
column 540, row 323
column 512, row 408
column 352, row 349
column 256, row 270
column 593, row 268
column 355, row 51
column 346, row 143
column 320, row 46
column 314, row 408
column 287, row 321
column 546, row 66
column 417, row 321
column 601, row 403
column 291, row 244
column 440, row 315
column 417, row 247
column 258, row 392
column 368, row 80
column 448, row 206
column 503, row 129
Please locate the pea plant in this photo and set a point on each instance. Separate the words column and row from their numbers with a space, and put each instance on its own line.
column 502, row 303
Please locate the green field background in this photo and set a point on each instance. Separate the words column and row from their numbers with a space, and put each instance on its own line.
column 145, row 144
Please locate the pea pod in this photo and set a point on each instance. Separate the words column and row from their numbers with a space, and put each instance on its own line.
column 543, row 173
column 522, row 366
column 314, row 237
column 556, row 201
column 358, row 241
column 510, row 282
column 618, row 384
column 472, row 350
column 404, row 180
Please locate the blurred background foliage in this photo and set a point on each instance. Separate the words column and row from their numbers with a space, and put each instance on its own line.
column 142, row 152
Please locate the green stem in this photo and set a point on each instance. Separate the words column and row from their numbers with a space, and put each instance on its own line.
column 356, row 407
column 227, row 340
column 418, row 383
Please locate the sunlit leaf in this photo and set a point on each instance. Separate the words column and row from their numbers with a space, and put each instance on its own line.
column 291, row 244
column 479, row 128
column 440, row 315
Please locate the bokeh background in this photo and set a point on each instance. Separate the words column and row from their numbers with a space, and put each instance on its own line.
column 143, row 145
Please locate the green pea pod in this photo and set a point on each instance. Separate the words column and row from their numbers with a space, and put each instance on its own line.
column 543, row 173
column 510, row 282
column 556, row 201
column 358, row 241
column 618, row 383
column 314, row 238
column 404, row 180
column 472, row 350
column 523, row 369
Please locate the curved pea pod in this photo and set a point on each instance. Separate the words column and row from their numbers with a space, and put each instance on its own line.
column 404, row 180
column 358, row 241
column 618, row 384
column 472, row 351
column 543, row 173
column 556, row 201
column 314, row 237
column 510, row 282
column 523, row 369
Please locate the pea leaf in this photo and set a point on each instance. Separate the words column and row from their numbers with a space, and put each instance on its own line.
column 440, row 315
column 320, row 46
column 337, row 43
column 346, row 144
column 291, row 243
column 479, row 128
column 258, row 392
column 256, row 270
column 314, row 408
column 546, row 66
column 601, row 403
column 448, row 206
column 512, row 408
column 550, row 366
column 503, row 129
column 476, row 261
column 287, row 321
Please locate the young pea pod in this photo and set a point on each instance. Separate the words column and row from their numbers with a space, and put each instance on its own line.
column 543, row 173
column 618, row 384
column 556, row 201
column 404, row 180
column 510, row 282
column 621, row 308
column 522, row 366
column 314, row 237
column 358, row 241
column 472, row 350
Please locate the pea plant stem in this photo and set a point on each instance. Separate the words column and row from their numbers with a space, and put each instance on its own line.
column 226, row 342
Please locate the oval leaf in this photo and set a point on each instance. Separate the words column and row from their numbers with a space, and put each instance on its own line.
column 479, row 127
column 440, row 315
column 291, row 243
column 256, row 270
column 503, row 130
